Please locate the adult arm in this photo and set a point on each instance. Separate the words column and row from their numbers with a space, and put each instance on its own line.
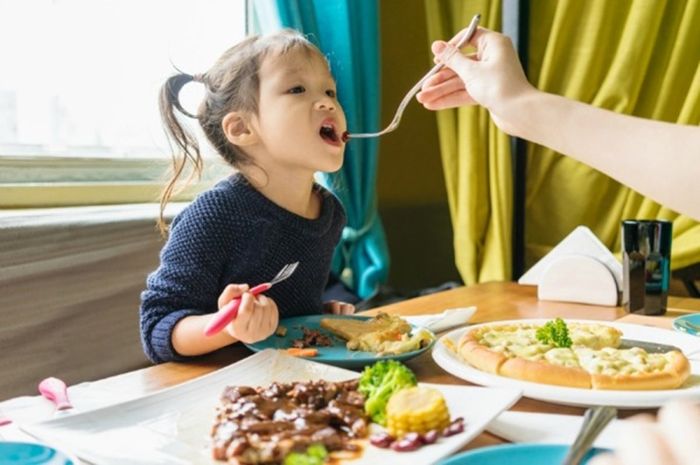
column 655, row 158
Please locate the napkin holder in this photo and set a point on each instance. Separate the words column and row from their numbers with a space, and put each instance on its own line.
column 579, row 269
column 579, row 279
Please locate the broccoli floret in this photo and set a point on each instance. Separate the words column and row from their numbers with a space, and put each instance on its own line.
column 379, row 381
column 555, row 333
column 315, row 454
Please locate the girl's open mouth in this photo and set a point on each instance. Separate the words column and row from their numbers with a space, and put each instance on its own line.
column 329, row 134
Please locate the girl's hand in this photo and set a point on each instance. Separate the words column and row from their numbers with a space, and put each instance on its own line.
column 337, row 307
column 257, row 316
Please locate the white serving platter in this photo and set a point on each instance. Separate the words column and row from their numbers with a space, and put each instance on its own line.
column 172, row 426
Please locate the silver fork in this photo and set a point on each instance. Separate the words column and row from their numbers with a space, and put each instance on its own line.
column 594, row 422
column 229, row 312
column 414, row 90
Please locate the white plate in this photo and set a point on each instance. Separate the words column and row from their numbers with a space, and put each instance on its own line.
column 172, row 426
column 690, row 345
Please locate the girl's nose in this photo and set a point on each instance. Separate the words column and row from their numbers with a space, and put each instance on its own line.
column 325, row 103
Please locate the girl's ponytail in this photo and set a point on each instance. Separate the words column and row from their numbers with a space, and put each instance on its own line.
column 185, row 144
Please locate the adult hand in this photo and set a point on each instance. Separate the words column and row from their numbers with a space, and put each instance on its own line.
column 490, row 77
column 673, row 440
column 257, row 316
column 337, row 307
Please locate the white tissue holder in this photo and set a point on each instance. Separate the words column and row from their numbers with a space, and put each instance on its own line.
column 580, row 279
column 579, row 269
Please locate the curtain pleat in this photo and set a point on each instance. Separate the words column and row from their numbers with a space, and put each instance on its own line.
column 476, row 161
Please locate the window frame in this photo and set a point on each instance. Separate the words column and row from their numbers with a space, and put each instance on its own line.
column 47, row 181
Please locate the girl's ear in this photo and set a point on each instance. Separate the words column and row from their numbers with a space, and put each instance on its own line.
column 237, row 129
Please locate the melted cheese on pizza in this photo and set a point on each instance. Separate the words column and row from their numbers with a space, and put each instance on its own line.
column 594, row 349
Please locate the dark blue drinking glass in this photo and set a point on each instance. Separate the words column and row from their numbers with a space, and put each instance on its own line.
column 646, row 257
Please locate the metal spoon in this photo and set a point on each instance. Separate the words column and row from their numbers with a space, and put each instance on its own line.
column 471, row 29
column 594, row 422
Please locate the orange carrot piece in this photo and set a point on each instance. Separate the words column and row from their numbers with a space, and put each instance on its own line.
column 306, row 352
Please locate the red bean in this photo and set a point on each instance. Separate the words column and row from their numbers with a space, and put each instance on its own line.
column 456, row 427
column 410, row 442
column 431, row 436
column 383, row 440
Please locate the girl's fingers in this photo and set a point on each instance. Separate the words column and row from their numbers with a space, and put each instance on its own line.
column 231, row 292
column 242, row 323
column 347, row 309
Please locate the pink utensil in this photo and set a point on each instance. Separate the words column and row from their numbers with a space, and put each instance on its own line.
column 230, row 310
column 55, row 390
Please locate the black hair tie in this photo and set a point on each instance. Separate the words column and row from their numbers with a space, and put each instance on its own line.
column 175, row 85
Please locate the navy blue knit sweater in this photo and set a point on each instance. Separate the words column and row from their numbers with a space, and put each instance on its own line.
column 234, row 234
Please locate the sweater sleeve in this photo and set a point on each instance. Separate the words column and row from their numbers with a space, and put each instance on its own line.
column 187, row 282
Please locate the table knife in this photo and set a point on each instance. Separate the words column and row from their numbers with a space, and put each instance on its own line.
column 650, row 347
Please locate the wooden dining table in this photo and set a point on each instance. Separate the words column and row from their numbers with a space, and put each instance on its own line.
column 494, row 301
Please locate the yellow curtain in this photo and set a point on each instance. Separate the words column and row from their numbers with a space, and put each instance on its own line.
column 639, row 57
column 476, row 161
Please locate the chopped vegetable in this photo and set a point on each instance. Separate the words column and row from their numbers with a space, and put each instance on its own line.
column 299, row 352
column 555, row 333
column 379, row 381
column 416, row 410
column 316, row 454
column 281, row 331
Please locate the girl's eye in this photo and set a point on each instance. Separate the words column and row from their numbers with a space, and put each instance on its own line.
column 297, row 90
column 330, row 93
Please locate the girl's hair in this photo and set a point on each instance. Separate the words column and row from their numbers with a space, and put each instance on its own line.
column 232, row 84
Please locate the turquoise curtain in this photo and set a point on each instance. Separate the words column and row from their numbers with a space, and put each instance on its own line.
column 347, row 32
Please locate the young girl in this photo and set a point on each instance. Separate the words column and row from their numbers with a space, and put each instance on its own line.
column 271, row 112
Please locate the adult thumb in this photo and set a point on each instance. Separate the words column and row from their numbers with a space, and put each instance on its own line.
column 450, row 56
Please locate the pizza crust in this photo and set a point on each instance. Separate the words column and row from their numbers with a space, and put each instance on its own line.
column 673, row 376
column 545, row 372
column 481, row 357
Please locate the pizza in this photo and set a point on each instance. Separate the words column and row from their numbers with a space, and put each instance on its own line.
column 580, row 355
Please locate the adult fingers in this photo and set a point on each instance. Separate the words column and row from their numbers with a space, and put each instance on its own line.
column 450, row 56
column 453, row 100
column 474, row 39
column 429, row 94
column 605, row 459
column 445, row 74
column 680, row 425
column 643, row 444
column 230, row 292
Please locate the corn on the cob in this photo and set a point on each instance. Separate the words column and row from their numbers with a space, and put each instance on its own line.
column 416, row 410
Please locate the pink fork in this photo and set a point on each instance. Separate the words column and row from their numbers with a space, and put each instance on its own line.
column 230, row 310
column 55, row 390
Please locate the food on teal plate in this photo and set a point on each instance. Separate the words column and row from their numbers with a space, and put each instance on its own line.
column 383, row 334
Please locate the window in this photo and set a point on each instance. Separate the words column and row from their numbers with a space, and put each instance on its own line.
column 79, row 87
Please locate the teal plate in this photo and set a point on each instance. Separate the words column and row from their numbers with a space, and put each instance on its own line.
column 336, row 354
column 27, row 453
column 517, row 454
column 688, row 324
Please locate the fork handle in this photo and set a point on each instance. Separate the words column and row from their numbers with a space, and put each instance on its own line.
column 230, row 311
